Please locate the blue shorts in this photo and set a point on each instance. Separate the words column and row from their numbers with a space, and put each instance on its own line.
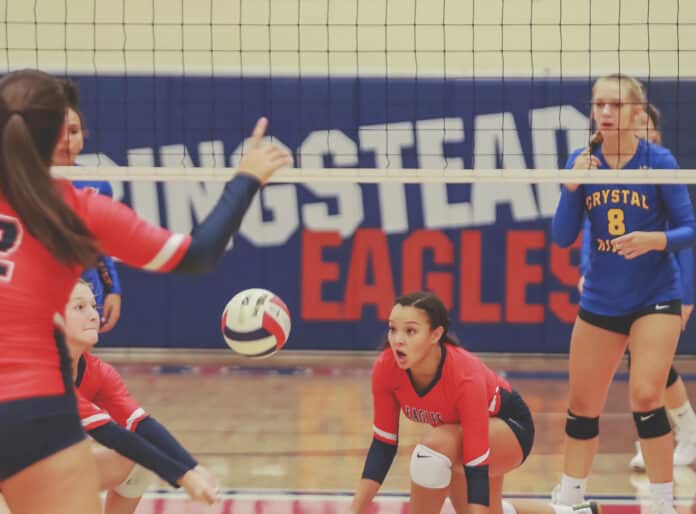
column 515, row 413
column 35, row 428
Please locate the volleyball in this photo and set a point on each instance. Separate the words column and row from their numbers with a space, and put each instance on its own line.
column 256, row 323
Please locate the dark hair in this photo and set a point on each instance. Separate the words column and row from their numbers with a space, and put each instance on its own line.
column 434, row 309
column 32, row 113
column 72, row 97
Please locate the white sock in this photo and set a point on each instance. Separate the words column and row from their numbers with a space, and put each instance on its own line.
column 562, row 509
column 683, row 418
column 662, row 494
column 509, row 508
column 572, row 490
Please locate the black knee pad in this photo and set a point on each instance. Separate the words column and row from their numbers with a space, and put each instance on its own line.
column 579, row 427
column 672, row 377
column 651, row 424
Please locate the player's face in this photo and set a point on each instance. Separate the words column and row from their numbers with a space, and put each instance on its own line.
column 82, row 318
column 612, row 109
column 410, row 336
column 645, row 128
column 71, row 141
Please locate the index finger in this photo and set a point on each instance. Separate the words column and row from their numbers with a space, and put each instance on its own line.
column 258, row 132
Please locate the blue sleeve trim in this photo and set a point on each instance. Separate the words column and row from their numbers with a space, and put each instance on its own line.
column 210, row 238
column 379, row 459
column 139, row 450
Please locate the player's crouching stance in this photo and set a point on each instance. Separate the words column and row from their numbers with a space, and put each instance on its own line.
column 482, row 428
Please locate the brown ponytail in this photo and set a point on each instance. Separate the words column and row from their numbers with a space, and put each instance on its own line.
column 32, row 112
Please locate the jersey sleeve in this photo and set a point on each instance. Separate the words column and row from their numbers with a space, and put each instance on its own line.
column 473, row 409
column 685, row 258
column 106, row 189
column 585, row 247
column 682, row 231
column 91, row 415
column 114, row 397
column 123, row 234
column 386, row 407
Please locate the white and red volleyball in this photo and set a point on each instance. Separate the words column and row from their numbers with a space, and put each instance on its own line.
column 256, row 323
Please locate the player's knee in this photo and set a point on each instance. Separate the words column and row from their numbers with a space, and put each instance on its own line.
column 652, row 423
column 429, row 468
column 672, row 377
column 583, row 405
column 581, row 427
column 646, row 396
column 136, row 483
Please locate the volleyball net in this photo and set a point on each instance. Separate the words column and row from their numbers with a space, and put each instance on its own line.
column 369, row 84
column 389, row 108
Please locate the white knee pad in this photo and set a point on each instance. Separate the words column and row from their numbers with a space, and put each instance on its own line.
column 429, row 468
column 508, row 508
column 137, row 482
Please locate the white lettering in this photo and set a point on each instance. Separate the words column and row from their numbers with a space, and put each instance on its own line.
column 485, row 197
column 495, row 137
column 330, row 143
column 281, row 201
column 432, row 136
column 144, row 194
column 349, row 212
column 545, row 123
column 438, row 212
column 387, row 142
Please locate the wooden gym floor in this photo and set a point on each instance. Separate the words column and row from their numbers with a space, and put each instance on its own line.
column 301, row 422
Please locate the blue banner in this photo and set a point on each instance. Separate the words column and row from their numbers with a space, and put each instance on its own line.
column 338, row 254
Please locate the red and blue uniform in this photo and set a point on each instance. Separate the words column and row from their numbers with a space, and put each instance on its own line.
column 102, row 396
column 37, row 400
column 114, row 418
column 464, row 392
column 35, row 285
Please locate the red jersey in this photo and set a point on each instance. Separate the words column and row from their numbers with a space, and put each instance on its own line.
column 102, row 396
column 464, row 391
column 34, row 285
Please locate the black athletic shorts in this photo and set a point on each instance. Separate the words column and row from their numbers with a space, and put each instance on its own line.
column 622, row 324
column 515, row 413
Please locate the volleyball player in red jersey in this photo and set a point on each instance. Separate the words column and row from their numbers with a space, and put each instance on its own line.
column 114, row 418
column 49, row 232
column 482, row 428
